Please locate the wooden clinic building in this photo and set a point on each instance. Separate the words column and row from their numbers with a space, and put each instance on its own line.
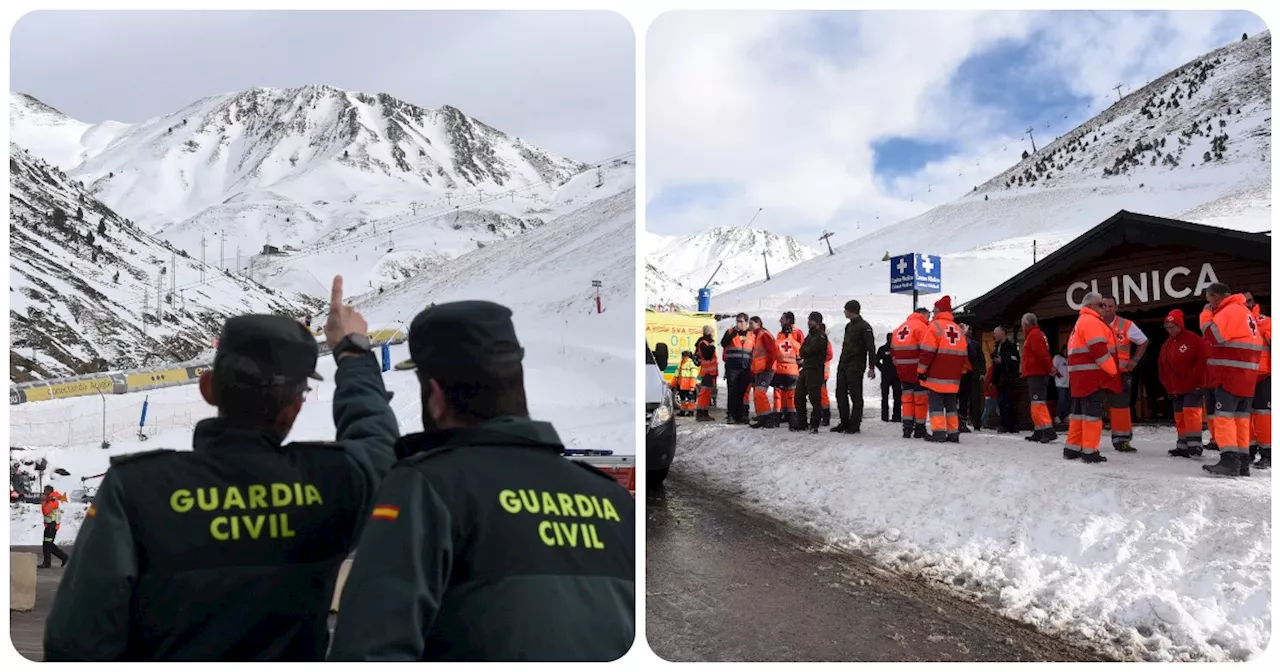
column 1150, row 265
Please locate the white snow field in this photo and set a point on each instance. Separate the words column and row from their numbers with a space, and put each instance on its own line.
column 692, row 260
column 1145, row 555
column 579, row 365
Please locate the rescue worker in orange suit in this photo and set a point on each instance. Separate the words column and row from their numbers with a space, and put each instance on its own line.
column 764, row 356
column 708, row 372
column 1260, row 418
column 1037, row 369
column 889, row 383
column 51, row 509
column 1128, row 336
column 786, row 371
column 1206, row 314
column 826, row 376
column 813, row 359
column 735, row 351
column 906, row 359
column 1235, row 349
column 1091, row 363
column 1182, row 373
column 685, row 384
column 944, row 351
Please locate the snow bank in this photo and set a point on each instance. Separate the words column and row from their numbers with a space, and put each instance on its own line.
column 1144, row 555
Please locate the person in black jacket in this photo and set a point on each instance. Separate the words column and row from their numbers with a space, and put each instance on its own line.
column 813, row 361
column 889, row 381
column 230, row 551
column 969, row 381
column 737, row 370
column 1007, row 370
column 857, row 354
column 485, row 542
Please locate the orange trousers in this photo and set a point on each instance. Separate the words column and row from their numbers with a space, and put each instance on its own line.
column 1084, row 426
column 1187, row 411
column 1038, row 390
column 1121, row 418
column 1231, row 422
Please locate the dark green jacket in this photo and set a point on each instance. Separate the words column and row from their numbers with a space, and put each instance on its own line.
column 859, row 344
column 813, row 351
column 230, row 551
column 487, row 544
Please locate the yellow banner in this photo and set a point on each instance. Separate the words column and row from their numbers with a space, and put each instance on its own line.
column 136, row 381
column 77, row 388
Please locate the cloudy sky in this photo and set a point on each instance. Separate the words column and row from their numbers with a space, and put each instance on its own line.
column 563, row 80
column 857, row 120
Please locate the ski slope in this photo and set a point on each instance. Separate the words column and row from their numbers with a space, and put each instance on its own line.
column 1145, row 555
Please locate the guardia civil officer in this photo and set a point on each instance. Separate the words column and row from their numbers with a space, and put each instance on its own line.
column 230, row 551
column 485, row 543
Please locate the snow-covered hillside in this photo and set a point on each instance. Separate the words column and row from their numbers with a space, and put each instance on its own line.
column 691, row 260
column 1146, row 153
column 83, row 280
column 290, row 167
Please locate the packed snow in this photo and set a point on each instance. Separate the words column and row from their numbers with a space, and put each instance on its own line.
column 735, row 256
column 1144, row 555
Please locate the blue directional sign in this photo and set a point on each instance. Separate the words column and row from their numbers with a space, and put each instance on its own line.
column 915, row 273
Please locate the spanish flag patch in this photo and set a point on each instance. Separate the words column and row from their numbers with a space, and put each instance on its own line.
column 93, row 511
column 385, row 512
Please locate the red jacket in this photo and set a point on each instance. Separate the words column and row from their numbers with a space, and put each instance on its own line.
column 1235, row 347
column 1091, row 356
column 989, row 386
column 1182, row 363
column 1036, row 360
column 765, row 353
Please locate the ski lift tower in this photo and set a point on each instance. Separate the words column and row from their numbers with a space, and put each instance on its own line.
column 598, row 284
column 826, row 238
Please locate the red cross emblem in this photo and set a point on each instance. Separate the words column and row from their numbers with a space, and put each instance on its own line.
column 952, row 335
column 903, row 333
column 786, row 346
column 1253, row 325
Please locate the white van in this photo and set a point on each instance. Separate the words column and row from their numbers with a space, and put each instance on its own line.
column 659, row 416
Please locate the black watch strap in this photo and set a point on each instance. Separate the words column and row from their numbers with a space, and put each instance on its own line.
column 357, row 343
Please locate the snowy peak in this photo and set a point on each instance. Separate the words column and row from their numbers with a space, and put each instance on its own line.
column 1212, row 111
column 83, row 283
column 53, row 136
column 691, row 260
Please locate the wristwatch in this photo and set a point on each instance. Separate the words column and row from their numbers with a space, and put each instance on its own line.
column 356, row 343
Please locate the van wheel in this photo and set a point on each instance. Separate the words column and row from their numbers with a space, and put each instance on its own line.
column 657, row 476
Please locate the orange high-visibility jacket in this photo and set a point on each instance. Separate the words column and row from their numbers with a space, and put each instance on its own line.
column 1091, row 362
column 906, row 346
column 1234, row 347
column 789, row 343
column 737, row 354
column 707, row 364
column 943, row 353
column 49, row 508
column 826, row 364
column 1124, row 346
column 1264, row 330
column 765, row 353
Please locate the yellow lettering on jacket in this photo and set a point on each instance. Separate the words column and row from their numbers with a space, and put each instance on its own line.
column 232, row 526
column 589, row 510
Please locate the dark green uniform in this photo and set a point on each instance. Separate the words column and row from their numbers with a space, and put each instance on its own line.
column 813, row 355
column 230, row 551
column 485, row 543
column 859, row 344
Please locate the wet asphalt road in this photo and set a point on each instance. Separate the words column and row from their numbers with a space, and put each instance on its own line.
column 726, row 585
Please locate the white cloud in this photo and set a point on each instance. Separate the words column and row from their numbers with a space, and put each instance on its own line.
column 785, row 106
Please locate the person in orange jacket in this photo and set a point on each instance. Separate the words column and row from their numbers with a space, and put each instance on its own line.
column 1260, row 418
column 1235, row 348
column 708, row 373
column 906, row 360
column 51, row 509
column 764, row 356
column 685, row 384
column 1037, row 369
column 1182, row 366
column 786, row 370
column 944, row 351
column 1091, row 361
column 1131, row 345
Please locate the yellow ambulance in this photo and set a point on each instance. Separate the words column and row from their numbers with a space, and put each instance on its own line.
column 675, row 333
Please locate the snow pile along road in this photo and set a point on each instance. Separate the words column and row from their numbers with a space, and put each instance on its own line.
column 1144, row 556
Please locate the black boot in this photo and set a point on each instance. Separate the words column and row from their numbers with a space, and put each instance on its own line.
column 920, row 432
column 826, row 417
column 1035, row 436
column 1187, row 451
column 1093, row 457
column 908, row 429
column 839, row 428
column 1212, row 445
column 953, row 438
column 1068, row 454
column 1049, row 436
column 1228, row 465
column 1124, row 447
column 1264, row 462
column 964, row 427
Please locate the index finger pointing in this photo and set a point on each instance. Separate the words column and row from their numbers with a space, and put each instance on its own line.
column 335, row 297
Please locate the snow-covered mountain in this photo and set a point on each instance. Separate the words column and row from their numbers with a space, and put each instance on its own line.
column 83, row 283
column 291, row 167
column 691, row 260
column 1194, row 144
